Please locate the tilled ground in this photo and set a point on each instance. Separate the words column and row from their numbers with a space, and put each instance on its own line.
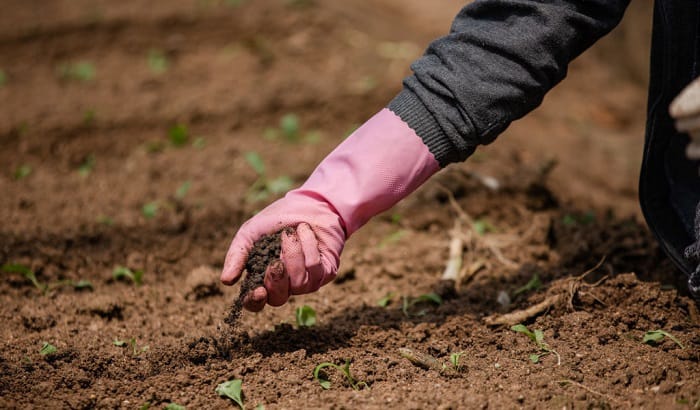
column 231, row 73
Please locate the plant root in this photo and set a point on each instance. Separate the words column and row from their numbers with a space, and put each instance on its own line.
column 521, row 316
column 422, row 360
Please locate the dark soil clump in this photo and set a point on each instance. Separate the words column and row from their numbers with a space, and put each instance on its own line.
column 265, row 250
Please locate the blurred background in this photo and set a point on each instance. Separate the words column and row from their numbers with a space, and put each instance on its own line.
column 112, row 105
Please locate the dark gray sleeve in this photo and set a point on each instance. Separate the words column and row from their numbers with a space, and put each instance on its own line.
column 495, row 65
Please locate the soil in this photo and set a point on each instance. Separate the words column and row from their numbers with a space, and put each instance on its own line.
column 565, row 203
column 265, row 250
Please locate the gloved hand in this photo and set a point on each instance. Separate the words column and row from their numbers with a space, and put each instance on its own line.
column 375, row 167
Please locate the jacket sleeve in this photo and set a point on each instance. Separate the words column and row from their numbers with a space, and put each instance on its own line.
column 496, row 64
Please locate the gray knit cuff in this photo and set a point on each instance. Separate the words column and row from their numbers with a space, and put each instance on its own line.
column 410, row 109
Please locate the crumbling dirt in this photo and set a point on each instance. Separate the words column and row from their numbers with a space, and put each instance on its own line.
column 265, row 250
column 232, row 73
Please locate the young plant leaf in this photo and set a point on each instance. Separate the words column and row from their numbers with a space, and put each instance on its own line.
column 150, row 210
column 305, row 316
column 47, row 349
column 289, row 124
column 175, row 406
column 22, row 171
column 157, row 61
column 454, row 360
column 179, row 135
column 120, row 343
column 83, row 71
column 482, row 226
column 409, row 302
column 232, row 390
column 533, row 284
column 27, row 273
column 121, row 272
column 86, row 167
column 654, row 337
column 520, row 328
column 3, row 78
column 386, row 300
column 255, row 162
column 345, row 370
column 280, row 185
column 182, row 190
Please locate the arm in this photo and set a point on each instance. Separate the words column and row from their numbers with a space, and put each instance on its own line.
column 497, row 63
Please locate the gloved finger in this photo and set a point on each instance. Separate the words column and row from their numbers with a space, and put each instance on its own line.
column 292, row 256
column 256, row 300
column 236, row 257
column 312, row 255
column 277, row 284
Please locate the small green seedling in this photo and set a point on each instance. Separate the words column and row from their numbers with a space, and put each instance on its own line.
column 199, row 142
column 305, row 316
column 157, row 61
column 533, row 284
column 344, row 369
column 538, row 337
column 175, row 406
column 145, row 406
column 482, row 226
column 83, row 71
column 263, row 187
column 22, row 172
column 27, row 273
column 150, row 209
column 135, row 349
column 409, row 303
column 182, row 190
column 47, row 349
column 43, row 287
column 232, row 390
column 3, row 78
column 121, row 272
column 654, row 337
column 386, row 300
column 454, row 361
column 86, row 167
column 178, row 135
column 290, row 130
column 392, row 238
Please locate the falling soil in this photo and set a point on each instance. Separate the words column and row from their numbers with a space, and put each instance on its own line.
column 265, row 251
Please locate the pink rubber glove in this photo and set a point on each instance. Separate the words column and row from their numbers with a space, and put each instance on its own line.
column 374, row 168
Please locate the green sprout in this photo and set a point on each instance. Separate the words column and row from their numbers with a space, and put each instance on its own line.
column 47, row 349
column 86, row 167
column 654, row 337
column 482, row 226
column 150, row 209
column 345, row 370
column 43, row 287
column 178, row 135
column 175, row 406
column 290, row 129
column 392, row 238
column 386, row 300
column 538, row 337
column 157, row 61
column 263, row 187
column 533, row 284
column 22, row 172
column 135, row 349
column 3, row 78
column 409, row 303
column 305, row 316
column 105, row 220
column 182, row 190
column 199, row 142
column 232, row 390
column 83, row 71
column 572, row 220
column 121, row 272
column 454, row 361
